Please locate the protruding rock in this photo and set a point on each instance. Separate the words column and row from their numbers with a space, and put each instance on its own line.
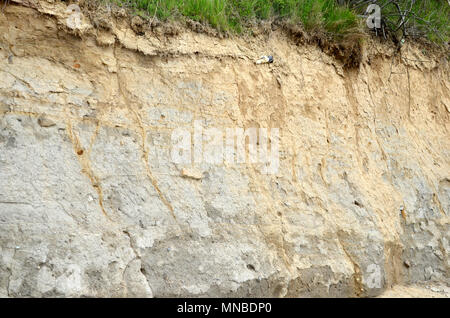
column 137, row 24
column 192, row 173
column 45, row 122
column 4, row 108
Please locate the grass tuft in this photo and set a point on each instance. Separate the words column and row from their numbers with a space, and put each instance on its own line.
column 236, row 15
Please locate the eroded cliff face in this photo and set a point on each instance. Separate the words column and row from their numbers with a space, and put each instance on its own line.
column 91, row 203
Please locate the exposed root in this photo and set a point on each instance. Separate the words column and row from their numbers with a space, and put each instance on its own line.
column 357, row 275
column 83, row 158
column 144, row 148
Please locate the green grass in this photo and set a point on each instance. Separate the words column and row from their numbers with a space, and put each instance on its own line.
column 430, row 18
column 236, row 15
